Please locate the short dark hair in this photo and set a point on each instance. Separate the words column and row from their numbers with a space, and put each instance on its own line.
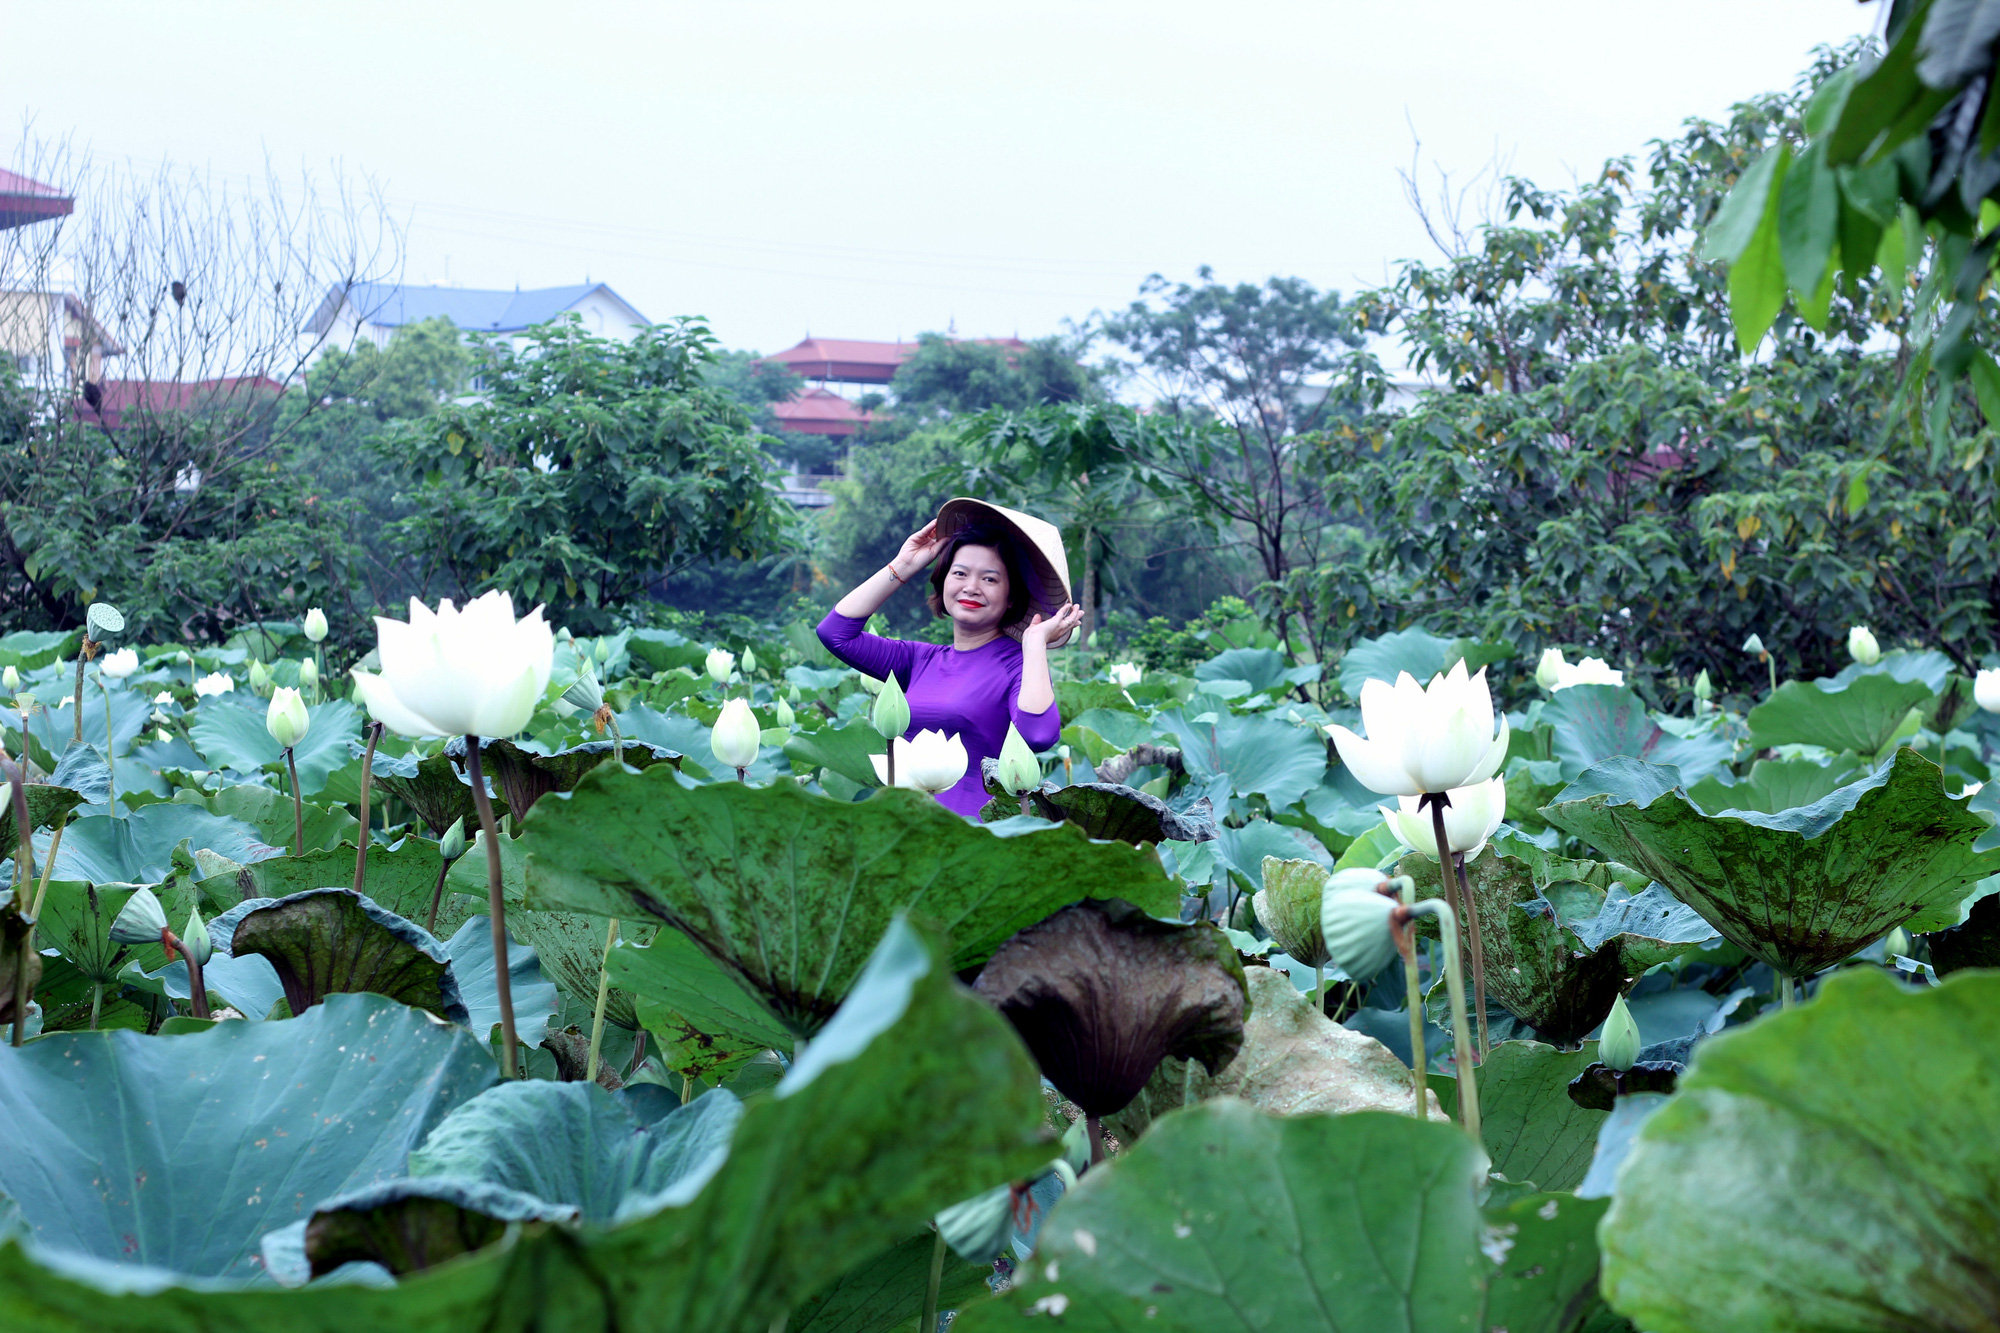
column 1001, row 540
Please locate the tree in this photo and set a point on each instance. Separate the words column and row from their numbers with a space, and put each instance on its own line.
column 591, row 472
column 951, row 377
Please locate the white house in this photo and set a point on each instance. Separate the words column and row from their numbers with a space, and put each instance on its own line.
column 375, row 310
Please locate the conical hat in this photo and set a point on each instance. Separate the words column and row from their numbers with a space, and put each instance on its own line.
column 1041, row 545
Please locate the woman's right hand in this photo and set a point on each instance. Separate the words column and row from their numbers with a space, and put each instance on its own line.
column 919, row 549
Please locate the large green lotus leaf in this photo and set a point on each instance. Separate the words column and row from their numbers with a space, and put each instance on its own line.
column 1787, row 1188
column 702, row 1013
column 179, row 1153
column 1120, row 726
column 1108, row 810
column 1222, row 1218
column 843, row 750
column 1533, row 1131
column 524, row 776
column 1774, row 785
column 31, row 649
column 431, row 786
column 399, row 878
column 787, row 890
column 138, row 847
column 1591, row 723
column 232, row 735
column 886, row 1292
column 1245, row 848
column 535, row 1000
column 683, row 735
column 1554, row 958
column 1416, row 651
column 335, row 941
column 1260, row 754
column 578, row 1145
column 834, row 1164
column 76, row 919
column 1802, row 889
column 270, row 812
column 1259, row 668
column 1930, row 667
column 80, row 778
column 1862, row 715
column 54, row 727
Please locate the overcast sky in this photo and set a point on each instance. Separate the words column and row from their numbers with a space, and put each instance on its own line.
column 874, row 168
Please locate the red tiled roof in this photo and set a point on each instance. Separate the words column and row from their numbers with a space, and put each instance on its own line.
column 857, row 360
column 821, row 412
column 23, row 201
column 122, row 396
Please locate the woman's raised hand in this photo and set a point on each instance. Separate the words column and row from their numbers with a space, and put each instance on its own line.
column 1055, row 628
column 919, row 549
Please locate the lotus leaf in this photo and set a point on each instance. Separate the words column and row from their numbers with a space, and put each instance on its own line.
column 783, row 888
column 1533, row 1130
column 1108, row 810
column 1592, row 723
column 1247, row 848
column 270, row 812
column 708, row 1022
column 843, row 750
column 54, row 729
column 1862, row 715
column 1852, row 1203
column 335, row 941
column 406, row 1226
column 524, row 777
column 1223, row 1218
column 1802, row 889
column 432, row 786
column 886, row 1292
column 470, row 950
column 232, row 735
column 81, row 778
column 1774, row 785
column 32, row 649
column 1415, row 650
column 138, row 847
column 246, row 1127
column 1280, row 761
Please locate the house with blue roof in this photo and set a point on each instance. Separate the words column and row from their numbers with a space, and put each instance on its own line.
column 375, row 310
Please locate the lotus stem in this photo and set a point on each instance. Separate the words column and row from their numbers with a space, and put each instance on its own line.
column 110, row 764
column 96, row 1002
column 1187, row 1084
column 742, row 776
column 437, row 895
column 1468, row 1074
column 496, row 906
column 1319, row 987
column 603, row 996
column 298, row 806
column 24, row 871
column 1095, row 1128
column 928, row 1324
column 1406, row 944
column 890, row 765
column 617, row 740
column 361, row 851
column 1478, row 939
column 82, row 656
column 1448, row 871
column 1787, row 994
column 48, row 864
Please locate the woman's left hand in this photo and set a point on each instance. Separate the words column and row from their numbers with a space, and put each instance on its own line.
column 1042, row 631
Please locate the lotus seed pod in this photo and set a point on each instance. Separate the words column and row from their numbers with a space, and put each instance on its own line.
column 1618, row 1045
column 141, row 920
column 102, row 619
column 891, row 713
column 586, row 693
column 452, row 845
column 1355, row 923
column 1289, row 907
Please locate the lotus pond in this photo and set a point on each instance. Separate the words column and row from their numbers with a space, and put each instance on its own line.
column 792, row 1051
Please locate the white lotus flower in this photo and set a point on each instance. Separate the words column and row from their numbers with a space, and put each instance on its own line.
column 216, row 682
column 1125, row 674
column 735, row 736
column 1424, row 739
column 1986, row 689
column 164, row 697
column 475, row 672
column 926, row 762
column 120, row 664
column 287, row 719
column 1590, row 671
column 1861, row 645
column 720, row 663
column 1550, row 668
column 1474, row 813
column 315, row 625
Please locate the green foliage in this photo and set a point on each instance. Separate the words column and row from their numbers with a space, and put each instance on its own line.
column 948, row 377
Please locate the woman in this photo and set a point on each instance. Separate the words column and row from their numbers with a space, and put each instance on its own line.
column 1001, row 579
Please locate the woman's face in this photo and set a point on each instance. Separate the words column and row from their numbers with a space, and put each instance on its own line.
column 975, row 588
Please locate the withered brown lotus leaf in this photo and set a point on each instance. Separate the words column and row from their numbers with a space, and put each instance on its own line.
column 1102, row 992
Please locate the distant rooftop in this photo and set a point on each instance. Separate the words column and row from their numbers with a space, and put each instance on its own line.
column 24, row 201
column 854, row 361
column 392, row 305
column 821, row 411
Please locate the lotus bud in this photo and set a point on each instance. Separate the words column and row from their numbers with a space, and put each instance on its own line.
column 602, row 651
column 308, row 674
column 720, row 663
column 749, row 661
column 315, row 625
column 1898, row 943
column 1861, row 645
column 1356, row 922
column 1704, row 689
column 586, row 694
column 1618, row 1044
column 195, row 942
column 1986, row 689
column 141, row 920
column 1549, row 670
column 286, row 719
column 1125, row 674
column 162, row 735
column 794, row 695
column 452, row 845
column 11, row 679
column 783, row 712
column 260, row 677
column 1019, row 770
column 736, row 735
column 120, row 664
column 1754, row 645
column 891, row 714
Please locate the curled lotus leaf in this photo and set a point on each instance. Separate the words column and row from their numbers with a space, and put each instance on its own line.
column 1102, row 992
column 407, row 1226
column 1802, row 889
column 432, row 786
column 525, row 776
column 1109, row 811
column 1288, row 907
column 328, row 941
column 1863, row 714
